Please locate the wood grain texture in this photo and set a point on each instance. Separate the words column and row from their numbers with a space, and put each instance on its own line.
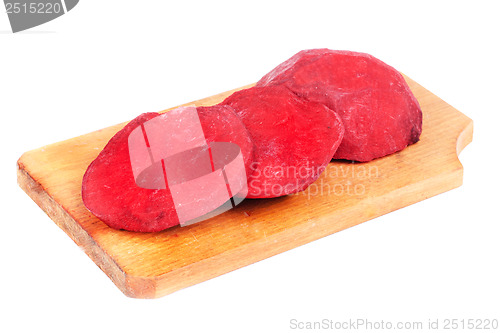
column 150, row 265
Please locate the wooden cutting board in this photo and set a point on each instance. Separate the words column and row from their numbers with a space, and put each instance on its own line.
column 150, row 265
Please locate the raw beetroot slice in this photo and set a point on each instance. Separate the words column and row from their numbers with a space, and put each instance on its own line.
column 378, row 110
column 110, row 191
column 294, row 139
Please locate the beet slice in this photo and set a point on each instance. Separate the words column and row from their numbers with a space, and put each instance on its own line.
column 379, row 112
column 294, row 139
column 110, row 191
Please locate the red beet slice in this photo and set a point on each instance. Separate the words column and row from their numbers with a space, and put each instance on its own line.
column 110, row 191
column 294, row 139
column 378, row 110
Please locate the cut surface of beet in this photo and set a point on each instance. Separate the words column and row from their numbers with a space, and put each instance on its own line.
column 122, row 199
column 294, row 139
column 379, row 112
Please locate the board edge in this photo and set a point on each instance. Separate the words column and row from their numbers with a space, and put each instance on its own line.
column 63, row 219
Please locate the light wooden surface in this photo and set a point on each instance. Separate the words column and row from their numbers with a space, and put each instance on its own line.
column 150, row 265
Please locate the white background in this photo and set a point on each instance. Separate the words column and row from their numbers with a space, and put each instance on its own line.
column 108, row 61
